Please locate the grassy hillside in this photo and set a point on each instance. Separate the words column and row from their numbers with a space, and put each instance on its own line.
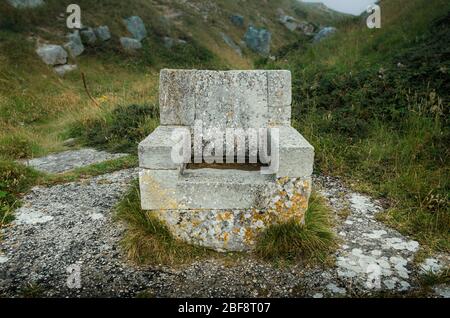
column 39, row 110
column 375, row 105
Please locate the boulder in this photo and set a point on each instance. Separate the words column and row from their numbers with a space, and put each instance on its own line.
column 61, row 70
column 102, row 33
column 52, row 54
column 170, row 42
column 74, row 46
column 324, row 33
column 26, row 3
column 136, row 27
column 289, row 22
column 237, row 20
column 130, row 44
column 258, row 40
column 306, row 28
column 88, row 36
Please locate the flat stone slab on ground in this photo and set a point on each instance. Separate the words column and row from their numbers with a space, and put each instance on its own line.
column 68, row 160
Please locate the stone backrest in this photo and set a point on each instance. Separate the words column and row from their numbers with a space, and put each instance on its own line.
column 225, row 99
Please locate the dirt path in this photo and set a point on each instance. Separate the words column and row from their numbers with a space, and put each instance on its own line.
column 68, row 229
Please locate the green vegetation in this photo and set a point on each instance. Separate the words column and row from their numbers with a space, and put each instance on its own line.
column 148, row 241
column 14, row 180
column 374, row 103
column 313, row 241
column 119, row 130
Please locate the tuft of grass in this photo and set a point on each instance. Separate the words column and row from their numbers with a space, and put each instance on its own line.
column 314, row 241
column 119, row 130
column 15, row 179
column 148, row 241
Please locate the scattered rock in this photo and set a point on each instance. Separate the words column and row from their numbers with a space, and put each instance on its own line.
column 74, row 46
column 170, row 42
column 306, row 28
column 102, row 32
column 52, row 54
column 231, row 43
column 68, row 160
column 21, row 4
column 61, row 70
column 237, row 20
column 258, row 40
column 324, row 33
column 130, row 44
column 289, row 22
column 69, row 142
column 136, row 27
column 88, row 36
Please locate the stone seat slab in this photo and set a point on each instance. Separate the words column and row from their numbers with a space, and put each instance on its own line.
column 203, row 189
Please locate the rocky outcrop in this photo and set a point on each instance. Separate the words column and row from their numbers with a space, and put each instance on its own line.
column 130, row 44
column 102, row 33
column 170, row 42
column 61, row 70
column 324, row 33
column 136, row 27
column 52, row 54
column 88, row 36
column 74, row 46
column 258, row 40
column 26, row 3
column 293, row 25
column 237, row 20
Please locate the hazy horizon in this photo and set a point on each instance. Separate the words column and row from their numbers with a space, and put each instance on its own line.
column 355, row 7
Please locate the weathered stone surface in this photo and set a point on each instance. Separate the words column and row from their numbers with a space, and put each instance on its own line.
column 88, row 36
column 258, row 40
column 61, row 70
column 68, row 160
column 136, row 27
column 155, row 150
column 237, row 20
column 74, row 46
column 102, row 33
column 280, row 88
column 21, row 4
column 296, row 154
column 324, row 33
column 52, row 54
column 202, row 189
column 222, row 209
column 176, row 97
column 280, row 116
column 233, row 99
column 289, row 22
column 130, row 44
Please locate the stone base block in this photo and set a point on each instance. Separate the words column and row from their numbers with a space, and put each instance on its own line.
column 233, row 229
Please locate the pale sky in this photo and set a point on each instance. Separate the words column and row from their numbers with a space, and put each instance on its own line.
column 355, row 7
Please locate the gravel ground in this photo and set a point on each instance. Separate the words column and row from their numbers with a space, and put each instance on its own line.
column 68, row 229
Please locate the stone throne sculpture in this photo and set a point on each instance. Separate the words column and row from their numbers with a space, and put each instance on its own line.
column 224, row 206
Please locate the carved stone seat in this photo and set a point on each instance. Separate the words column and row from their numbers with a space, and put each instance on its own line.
column 225, row 205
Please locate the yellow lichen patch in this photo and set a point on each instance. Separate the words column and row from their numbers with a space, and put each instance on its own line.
column 224, row 216
column 249, row 236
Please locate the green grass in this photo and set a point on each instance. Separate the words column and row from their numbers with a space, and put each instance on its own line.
column 119, row 130
column 314, row 241
column 15, row 179
column 148, row 241
column 380, row 125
